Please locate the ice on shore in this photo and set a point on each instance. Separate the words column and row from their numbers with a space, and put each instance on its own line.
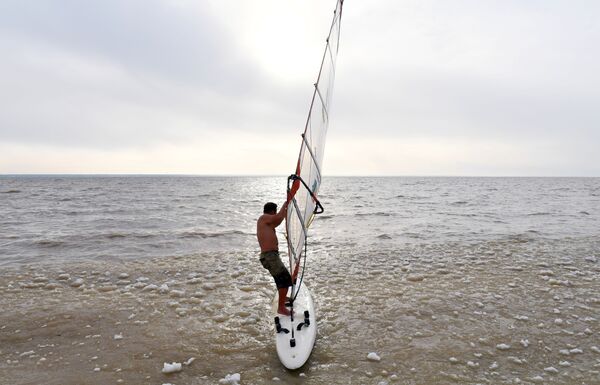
column 150, row 287
column 177, row 293
column 514, row 336
column 415, row 277
column 208, row 286
column 514, row 359
column 171, row 368
column 231, row 379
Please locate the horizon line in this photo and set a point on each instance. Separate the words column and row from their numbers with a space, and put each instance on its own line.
column 285, row 175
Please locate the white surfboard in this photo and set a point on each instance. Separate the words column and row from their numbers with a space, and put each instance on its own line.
column 295, row 336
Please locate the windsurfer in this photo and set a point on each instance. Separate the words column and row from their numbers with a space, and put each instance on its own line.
column 269, row 250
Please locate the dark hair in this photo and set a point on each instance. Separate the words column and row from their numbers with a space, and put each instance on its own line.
column 270, row 208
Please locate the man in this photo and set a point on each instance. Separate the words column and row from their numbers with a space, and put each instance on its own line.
column 269, row 250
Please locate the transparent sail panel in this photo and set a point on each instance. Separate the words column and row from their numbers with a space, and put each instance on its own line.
column 310, row 160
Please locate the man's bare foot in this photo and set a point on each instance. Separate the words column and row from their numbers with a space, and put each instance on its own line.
column 284, row 311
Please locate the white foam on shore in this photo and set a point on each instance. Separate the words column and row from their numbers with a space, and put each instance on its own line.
column 171, row 368
column 231, row 379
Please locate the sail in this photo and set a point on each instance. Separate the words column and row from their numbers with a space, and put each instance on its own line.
column 303, row 185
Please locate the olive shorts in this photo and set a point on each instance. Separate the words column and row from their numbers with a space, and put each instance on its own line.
column 271, row 261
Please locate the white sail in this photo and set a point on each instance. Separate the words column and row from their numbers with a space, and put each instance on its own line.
column 303, row 191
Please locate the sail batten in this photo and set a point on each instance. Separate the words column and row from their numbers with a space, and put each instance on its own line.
column 313, row 157
column 304, row 187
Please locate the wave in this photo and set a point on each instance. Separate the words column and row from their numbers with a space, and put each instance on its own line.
column 418, row 197
column 384, row 236
column 118, row 235
column 49, row 243
column 527, row 236
column 115, row 235
column 467, row 215
column 202, row 234
column 144, row 236
column 11, row 192
column 378, row 214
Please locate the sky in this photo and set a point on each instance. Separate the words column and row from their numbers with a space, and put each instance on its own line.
column 469, row 88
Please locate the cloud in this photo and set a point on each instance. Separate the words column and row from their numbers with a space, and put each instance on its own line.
column 435, row 80
column 514, row 73
column 116, row 75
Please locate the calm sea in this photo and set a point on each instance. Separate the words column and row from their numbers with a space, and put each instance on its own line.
column 69, row 218
column 447, row 280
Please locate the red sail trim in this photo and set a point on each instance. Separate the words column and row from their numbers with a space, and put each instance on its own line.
column 295, row 184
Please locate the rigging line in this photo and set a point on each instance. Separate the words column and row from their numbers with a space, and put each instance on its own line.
column 298, row 214
column 332, row 58
column 333, row 23
column 314, row 159
column 303, row 270
column 322, row 103
column 308, row 118
column 293, row 252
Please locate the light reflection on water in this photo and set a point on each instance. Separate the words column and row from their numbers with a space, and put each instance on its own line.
column 73, row 218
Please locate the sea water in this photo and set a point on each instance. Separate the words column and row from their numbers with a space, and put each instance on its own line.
column 103, row 279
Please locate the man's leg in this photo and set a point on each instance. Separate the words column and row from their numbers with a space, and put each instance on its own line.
column 283, row 281
column 282, row 298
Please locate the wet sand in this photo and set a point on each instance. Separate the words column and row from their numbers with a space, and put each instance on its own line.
column 505, row 312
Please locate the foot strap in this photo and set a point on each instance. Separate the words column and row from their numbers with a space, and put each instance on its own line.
column 279, row 328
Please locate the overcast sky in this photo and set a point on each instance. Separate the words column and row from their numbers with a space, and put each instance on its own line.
column 222, row 86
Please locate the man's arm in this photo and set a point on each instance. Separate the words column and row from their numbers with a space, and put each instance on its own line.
column 280, row 216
